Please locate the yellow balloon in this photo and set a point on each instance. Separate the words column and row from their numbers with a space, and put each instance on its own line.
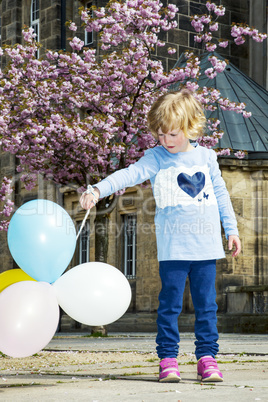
column 11, row 276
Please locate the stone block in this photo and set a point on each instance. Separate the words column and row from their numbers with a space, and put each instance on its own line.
column 249, row 245
column 197, row 8
column 238, row 185
column 184, row 23
column 144, row 267
column 163, row 52
column 4, row 42
column 226, row 18
column 246, row 226
column 154, row 285
column 254, row 324
column 238, row 205
column 6, row 18
column 4, row 5
column 56, row 27
column 149, row 251
column 53, row 43
column 232, row 280
column 143, row 303
column 244, row 265
column 224, row 266
column 42, row 17
column 249, row 280
column 6, row 161
column 240, row 15
column 183, row 6
column 11, row 4
column 16, row 14
column 139, row 286
column 162, row 36
column 14, row 31
column 46, row 32
column 178, row 37
column 241, row 52
column 53, row 13
column 239, row 303
column 249, row 208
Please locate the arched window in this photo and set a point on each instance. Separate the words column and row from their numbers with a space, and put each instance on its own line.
column 35, row 19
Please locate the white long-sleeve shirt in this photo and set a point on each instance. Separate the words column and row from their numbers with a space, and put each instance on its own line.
column 191, row 200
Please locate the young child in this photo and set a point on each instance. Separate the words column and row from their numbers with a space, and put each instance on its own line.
column 191, row 200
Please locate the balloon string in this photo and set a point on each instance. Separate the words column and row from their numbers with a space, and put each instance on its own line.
column 83, row 223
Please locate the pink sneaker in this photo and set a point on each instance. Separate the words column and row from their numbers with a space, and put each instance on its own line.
column 207, row 369
column 169, row 370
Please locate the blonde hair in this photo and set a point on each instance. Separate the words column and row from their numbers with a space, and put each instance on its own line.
column 177, row 110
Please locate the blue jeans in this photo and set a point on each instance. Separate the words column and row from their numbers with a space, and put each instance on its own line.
column 202, row 275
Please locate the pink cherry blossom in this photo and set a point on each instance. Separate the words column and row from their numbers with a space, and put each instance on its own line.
column 76, row 44
column 210, row 47
column 197, row 24
column 224, row 152
column 29, row 35
column 240, row 154
column 198, row 38
column 214, row 26
column 172, row 50
column 219, row 11
column 210, row 73
column 240, row 40
column 223, row 43
column 239, row 31
column 73, row 27
column 210, row 6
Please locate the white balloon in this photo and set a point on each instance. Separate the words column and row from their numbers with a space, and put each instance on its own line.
column 93, row 293
column 29, row 316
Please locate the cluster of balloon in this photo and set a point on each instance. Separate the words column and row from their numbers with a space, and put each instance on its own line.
column 42, row 241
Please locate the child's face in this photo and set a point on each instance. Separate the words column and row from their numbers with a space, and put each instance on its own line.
column 174, row 141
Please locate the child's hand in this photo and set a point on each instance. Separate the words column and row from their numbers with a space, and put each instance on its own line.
column 88, row 201
column 233, row 240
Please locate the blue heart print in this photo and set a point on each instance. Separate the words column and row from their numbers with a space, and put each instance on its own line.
column 192, row 185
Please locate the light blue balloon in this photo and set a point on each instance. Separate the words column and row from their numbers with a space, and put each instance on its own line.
column 42, row 239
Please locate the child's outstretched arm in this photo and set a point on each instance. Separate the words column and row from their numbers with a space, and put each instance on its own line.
column 136, row 173
column 233, row 240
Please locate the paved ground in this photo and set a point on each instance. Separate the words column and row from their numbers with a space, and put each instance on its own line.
column 124, row 367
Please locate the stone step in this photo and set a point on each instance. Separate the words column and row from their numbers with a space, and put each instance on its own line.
column 146, row 322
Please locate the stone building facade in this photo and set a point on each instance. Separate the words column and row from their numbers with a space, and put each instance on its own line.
column 242, row 284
